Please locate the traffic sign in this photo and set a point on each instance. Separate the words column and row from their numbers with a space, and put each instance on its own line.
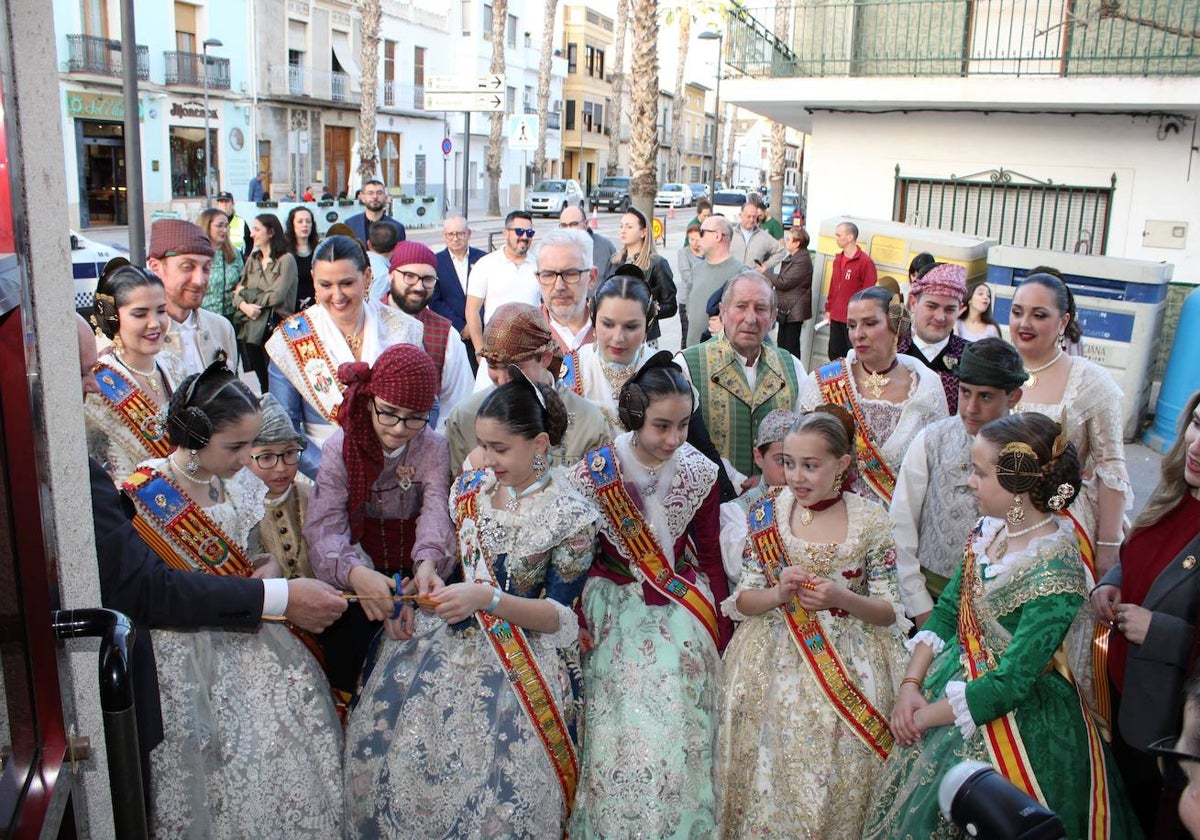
column 460, row 101
column 491, row 83
column 447, row 146
column 523, row 132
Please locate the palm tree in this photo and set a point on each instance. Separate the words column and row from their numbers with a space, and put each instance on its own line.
column 543, row 91
column 368, row 152
column 778, row 130
column 494, row 165
column 643, row 96
column 616, row 113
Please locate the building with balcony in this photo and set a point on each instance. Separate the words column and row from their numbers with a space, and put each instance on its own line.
column 1061, row 125
column 696, row 144
column 173, row 78
column 587, row 93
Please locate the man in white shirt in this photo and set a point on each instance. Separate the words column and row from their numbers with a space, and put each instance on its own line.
column 934, row 301
column 504, row 276
column 182, row 257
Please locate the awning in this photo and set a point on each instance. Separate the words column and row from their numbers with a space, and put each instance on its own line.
column 345, row 57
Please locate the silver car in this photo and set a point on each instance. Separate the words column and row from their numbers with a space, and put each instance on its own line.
column 551, row 197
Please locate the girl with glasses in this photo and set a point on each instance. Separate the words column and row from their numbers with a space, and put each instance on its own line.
column 379, row 505
column 275, row 458
column 466, row 727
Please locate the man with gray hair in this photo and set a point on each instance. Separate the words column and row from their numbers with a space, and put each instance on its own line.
column 740, row 378
column 454, row 264
column 567, row 275
column 603, row 250
column 716, row 270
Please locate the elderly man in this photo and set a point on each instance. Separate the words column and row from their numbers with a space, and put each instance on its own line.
column 508, row 275
column 563, row 260
column 853, row 271
column 413, row 276
column 751, row 244
column 603, row 250
column 373, row 196
column 454, row 265
column 740, row 379
column 932, row 506
column 518, row 335
column 935, row 299
column 711, row 275
column 182, row 257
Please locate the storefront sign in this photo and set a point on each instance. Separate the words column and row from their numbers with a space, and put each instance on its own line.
column 84, row 105
column 192, row 109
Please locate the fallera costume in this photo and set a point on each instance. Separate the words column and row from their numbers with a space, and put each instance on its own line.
column 441, row 744
column 789, row 762
column 652, row 678
column 1010, row 616
column 251, row 740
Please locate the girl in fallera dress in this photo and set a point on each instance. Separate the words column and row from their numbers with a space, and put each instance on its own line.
column 251, row 740
column 466, row 722
column 984, row 682
column 652, row 676
column 818, row 590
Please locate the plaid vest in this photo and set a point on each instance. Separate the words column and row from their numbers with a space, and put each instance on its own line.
column 731, row 411
column 437, row 332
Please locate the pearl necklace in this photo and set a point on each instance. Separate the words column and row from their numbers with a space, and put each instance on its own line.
column 1032, row 381
column 1002, row 546
column 149, row 375
column 213, row 495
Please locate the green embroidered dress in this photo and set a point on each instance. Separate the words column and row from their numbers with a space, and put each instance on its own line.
column 1028, row 600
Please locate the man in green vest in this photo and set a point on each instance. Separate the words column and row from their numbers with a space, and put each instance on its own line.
column 741, row 377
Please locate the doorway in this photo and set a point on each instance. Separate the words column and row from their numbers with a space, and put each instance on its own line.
column 337, row 159
column 101, row 157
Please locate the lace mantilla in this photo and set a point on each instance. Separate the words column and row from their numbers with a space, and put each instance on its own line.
column 1049, row 565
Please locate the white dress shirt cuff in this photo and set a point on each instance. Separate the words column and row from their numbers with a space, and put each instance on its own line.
column 275, row 596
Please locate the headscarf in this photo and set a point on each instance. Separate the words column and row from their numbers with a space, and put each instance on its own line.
column 277, row 426
column 946, row 279
column 403, row 376
column 515, row 333
column 775, row 427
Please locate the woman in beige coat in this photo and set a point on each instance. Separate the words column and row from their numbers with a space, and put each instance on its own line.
column 266, row 294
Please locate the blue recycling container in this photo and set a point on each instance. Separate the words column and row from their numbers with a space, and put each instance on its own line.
column 1181, row 379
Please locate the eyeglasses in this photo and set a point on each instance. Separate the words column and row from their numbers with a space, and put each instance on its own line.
column 571, row 276
column 457, row 233
column 1169, row 759
column 703, row 231
column 411, row 277
column 269, row 460
column 522, row 233
column 388, row 419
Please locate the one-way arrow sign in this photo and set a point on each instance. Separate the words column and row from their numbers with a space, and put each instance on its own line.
column 460, row 101
column 465, row 84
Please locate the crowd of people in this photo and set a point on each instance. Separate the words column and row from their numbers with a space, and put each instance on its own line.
column 480, row 559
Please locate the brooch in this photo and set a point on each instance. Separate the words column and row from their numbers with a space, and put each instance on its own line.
column 404, row 475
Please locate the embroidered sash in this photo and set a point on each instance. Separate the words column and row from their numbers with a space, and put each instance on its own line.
column 519, row 664
column 639, row 545
column 834, row 381
column 1102, row 701
column 848, row 700
column 568, row 372
column 136, row 411
column 1003, row 739
column 317, row 370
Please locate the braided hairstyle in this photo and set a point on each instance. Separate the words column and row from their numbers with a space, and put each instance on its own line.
column 118, row 281
column 1035, row 458
column 627, row 283
column 205, row 403
column 659, row 377
column 526, row 408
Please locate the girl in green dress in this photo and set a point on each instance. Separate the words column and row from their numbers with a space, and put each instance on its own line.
column 984, row 682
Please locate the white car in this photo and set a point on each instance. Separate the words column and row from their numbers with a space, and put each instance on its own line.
column 552, row 196
column 87, row 262
column 673, row 195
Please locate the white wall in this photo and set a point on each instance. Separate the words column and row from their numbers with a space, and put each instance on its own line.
column 852, row 159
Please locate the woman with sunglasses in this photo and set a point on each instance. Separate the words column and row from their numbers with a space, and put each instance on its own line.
column 1150, row 599
column 275, row 458
column 340, row 327
column 125, row 419
column 637, row 247
column 379, row 505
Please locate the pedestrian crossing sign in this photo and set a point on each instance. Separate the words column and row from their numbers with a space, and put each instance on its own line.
column 523, row 132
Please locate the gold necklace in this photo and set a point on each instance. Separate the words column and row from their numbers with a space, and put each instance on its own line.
column 354, row 338
column 616, row 374
column 875, row 380
column 1032, row 381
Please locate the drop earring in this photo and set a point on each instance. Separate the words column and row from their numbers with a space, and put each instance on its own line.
column 539, row 464
column 1016, row 512
column 117, row 343
column 192, row 466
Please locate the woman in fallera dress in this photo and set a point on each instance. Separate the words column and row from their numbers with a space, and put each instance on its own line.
column 983, row 683
column 466, row 722
column 652, row 677
column 251, row 740
column 818, row 589
column 125, row 419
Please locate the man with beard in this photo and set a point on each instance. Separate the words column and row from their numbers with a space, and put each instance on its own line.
column 935, row 299
column 373, row 196
column 507, row 275
column 413, row 275
column 567, row 276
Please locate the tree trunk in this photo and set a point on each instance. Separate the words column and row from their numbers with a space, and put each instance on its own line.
column 616, row 118
column 494, row 165
column 543, row 91
column 675, row 158
column 643, row 139
column 368, row 152
column 778, row 131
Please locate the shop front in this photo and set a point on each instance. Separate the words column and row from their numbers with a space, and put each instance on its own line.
column 100, row 156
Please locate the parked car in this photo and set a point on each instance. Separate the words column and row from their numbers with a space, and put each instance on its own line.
column 87, row 262
column 612, row 194
column 699, row 191
column 673, row 195
column 794, row 207
column 551, row 197
column 729, row 203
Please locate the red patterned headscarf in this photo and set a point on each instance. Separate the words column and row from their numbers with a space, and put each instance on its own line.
column 403, row 376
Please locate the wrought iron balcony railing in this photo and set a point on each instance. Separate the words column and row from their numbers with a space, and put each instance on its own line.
column 89, row 54
column 969, row 37
column 187, row 68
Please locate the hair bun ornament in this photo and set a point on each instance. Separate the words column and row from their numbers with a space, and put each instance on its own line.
column 351, row 373
column 1060, row 440
column 1061, row 498
column 846, row 418
column 1018, row 463
column 661, row 359
column 631, row 406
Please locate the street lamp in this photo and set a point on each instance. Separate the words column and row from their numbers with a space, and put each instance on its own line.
column 208, row 42
column 719, row 37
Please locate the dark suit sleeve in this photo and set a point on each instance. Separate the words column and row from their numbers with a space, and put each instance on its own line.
column 134, row 580
column 698, row 437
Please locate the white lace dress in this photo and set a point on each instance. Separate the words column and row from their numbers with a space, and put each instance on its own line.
column 251, row 740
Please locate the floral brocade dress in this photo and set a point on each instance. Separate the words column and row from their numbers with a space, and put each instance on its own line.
column 440, row 745
column 788, row 764
column 252, row 744
column 1025, row 603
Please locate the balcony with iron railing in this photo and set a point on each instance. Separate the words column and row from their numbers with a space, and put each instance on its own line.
column 932, row 38
column 187, row 68
column 102, row 56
